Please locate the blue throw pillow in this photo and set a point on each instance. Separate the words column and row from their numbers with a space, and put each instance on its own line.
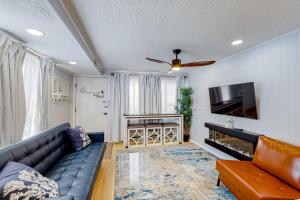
column 19, row 181
column 78, row 137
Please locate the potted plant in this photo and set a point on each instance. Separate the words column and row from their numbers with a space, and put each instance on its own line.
column 184, row 107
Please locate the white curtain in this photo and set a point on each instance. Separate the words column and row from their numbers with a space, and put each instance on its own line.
column 12, row 98
column 168, row 94
column 119, row 95
column 134, row 95
column 37, row 72
column 181, row 83
column 47, row 67
column 150, row 94
column 33, row 93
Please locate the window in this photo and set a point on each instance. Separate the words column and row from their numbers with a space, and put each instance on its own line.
column 32, row 86
column 168, row 94
column 134, row 82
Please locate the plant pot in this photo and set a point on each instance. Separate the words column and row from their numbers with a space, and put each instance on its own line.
column 186, row 138
column 186, row 134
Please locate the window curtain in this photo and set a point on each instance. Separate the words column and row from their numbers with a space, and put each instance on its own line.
column 150, row 94
column 119, row 96
column 181, row 83
column 37, row 72
column 134, row 95
column 47, row 67
column 32, row 83
column 168, row 94
column 12, row 97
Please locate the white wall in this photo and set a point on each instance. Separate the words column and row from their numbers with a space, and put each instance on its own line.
column 61, row 111
column 274, row 67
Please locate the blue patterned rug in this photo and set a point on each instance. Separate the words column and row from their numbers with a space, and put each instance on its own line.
column 181, row 172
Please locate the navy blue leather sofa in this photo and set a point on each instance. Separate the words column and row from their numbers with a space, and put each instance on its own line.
column 51, row 154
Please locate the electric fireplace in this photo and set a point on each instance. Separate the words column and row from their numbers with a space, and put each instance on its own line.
column 235, row 142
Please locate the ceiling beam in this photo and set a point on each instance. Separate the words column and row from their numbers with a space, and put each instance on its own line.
column 67, row 14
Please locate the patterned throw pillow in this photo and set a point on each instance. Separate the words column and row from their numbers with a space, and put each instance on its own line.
column 85, row 138
column 78, row 137
column 18, row 181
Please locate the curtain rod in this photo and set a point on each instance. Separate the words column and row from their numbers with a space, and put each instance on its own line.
column 16, row 39
column 12, row 36
column 35, row 52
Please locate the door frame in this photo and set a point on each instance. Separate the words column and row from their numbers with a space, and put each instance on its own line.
column 75, row 78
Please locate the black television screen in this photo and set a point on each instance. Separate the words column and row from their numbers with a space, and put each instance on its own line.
column 234, row 100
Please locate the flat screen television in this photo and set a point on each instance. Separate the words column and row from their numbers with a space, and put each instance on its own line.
column 234, row 100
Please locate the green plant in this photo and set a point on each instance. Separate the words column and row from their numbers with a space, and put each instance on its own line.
column 184, row 107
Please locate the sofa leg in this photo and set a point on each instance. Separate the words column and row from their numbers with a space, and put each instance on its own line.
column 218, row 182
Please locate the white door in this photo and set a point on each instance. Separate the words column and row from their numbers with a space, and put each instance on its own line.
column 91, row 109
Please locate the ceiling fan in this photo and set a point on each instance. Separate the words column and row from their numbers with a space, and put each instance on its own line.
column 177, row 65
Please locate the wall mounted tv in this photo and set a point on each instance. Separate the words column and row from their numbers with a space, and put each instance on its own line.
column 234, row 100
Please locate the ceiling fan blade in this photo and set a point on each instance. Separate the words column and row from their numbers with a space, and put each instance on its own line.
column 197, row 64
column 157, row 61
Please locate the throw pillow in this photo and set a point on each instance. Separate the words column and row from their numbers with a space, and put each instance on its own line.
column 19, row 181
column 78, row 137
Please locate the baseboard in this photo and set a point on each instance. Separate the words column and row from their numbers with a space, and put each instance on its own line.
column 215, row 152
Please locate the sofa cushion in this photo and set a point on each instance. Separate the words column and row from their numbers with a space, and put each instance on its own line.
column 279, row 159
column 75, row 173
column 78, row 138
column 253, row 183
column 18, row 181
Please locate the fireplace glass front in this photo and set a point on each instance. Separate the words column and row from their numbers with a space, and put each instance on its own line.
column 231, row 142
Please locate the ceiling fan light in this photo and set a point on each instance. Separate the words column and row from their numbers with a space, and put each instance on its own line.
column 237, row 42
column 176, row 68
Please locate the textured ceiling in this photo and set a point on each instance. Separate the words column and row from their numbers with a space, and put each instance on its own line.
column 17, row 15
column 125, row 32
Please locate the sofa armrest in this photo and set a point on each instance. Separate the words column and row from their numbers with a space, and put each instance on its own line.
column 96, row 136
column 62, row 198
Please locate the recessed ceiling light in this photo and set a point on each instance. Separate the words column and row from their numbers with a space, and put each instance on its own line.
column 73, row 63
column 34, row 32
column 237, row 42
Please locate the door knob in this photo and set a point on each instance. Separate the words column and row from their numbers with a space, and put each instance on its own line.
column 105, row 113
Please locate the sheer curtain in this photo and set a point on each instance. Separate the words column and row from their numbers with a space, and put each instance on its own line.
column 12, row 98
column 37, row 72
column 134, row 98
column 181, row 83
column 168, row 94
column 47, row 67
column 33, row 93
column 150, row 94
column 119, row 97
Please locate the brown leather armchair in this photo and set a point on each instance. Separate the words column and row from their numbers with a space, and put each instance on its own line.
column 274, row 172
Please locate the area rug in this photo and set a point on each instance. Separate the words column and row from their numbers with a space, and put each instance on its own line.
column 180, row 172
